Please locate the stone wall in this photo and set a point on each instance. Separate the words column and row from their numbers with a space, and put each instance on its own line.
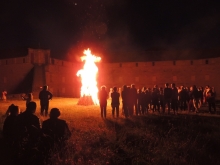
column 200, row 72
column 11, row 75
column 61, row 77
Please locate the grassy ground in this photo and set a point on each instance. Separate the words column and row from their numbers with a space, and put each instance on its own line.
column 153, row 139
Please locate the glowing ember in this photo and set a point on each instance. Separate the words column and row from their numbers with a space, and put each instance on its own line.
column 88, row 78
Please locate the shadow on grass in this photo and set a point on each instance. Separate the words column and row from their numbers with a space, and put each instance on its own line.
column 159, row 139
column 5, row 153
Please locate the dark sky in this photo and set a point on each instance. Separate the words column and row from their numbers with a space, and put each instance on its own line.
column 109, row 27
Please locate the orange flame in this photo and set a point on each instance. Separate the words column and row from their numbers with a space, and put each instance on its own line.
column 88, row 76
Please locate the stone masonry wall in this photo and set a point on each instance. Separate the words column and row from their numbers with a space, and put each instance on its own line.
column 61, row 77
column 13, row 74
column 188, row 72
column 62, row 80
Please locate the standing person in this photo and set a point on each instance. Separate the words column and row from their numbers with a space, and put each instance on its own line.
column 174, row 98
column 141, row 105
column 44, row 97
column 161, row 98
column 207, row 87
column 133, row 98
column 147, row 100
column 183, row 95
column 155, row 99
column 167, row 92
column 28, row 98
column 200, row 90
column 190, row 100
column 103, row 96
column 115, row 95
column 195, row 96
column 210, row 98
column 130, row 102
column 125, row 98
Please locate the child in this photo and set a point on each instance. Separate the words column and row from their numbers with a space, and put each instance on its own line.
column 4, row 93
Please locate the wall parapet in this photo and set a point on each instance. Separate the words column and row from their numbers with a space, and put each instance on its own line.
column 12, row 61
column 204, row 61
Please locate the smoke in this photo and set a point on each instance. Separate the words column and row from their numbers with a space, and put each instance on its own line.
column 115, row 30
column 192, row 40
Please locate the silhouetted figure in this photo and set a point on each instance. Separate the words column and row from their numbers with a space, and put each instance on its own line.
column 44, row 97
column 130, row 102
column 133, row 99
column 167, row 97
column 56, row 129
column 210, row 98
column 140, row 101
column 115, row 95
column 161, row 99
column 190, row 100
column 207, row 87
column 196, row 98
column 147, row 100
column 125, row 100
column 183, row 98
column 200, row 90
column 28, row 98
column 7, row 113
column 103, row 96
column 28, row 123
column 9, row 126
column 155, row 99
column 28, row 136
column 174, row 98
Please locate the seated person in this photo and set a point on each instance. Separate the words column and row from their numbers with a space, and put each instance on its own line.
column 7, row 113
column 28, row 124
column 56, row 128
column 28, row 135
column 9, row 126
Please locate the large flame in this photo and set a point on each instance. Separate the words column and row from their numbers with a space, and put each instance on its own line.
column 88, row 76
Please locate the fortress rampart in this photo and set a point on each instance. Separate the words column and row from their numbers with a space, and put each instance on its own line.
column 37, row 68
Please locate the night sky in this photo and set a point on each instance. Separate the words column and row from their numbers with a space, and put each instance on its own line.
column 110, row 28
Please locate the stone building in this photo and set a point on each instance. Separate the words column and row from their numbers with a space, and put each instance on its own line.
column 37, row 68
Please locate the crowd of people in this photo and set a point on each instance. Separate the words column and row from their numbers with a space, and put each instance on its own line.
column 24, row 134
column 161, row 99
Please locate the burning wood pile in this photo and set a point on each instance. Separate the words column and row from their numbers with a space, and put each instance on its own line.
column 88, row 76
column 85, row 100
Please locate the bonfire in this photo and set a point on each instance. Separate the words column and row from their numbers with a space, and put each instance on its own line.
column 88, row 74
